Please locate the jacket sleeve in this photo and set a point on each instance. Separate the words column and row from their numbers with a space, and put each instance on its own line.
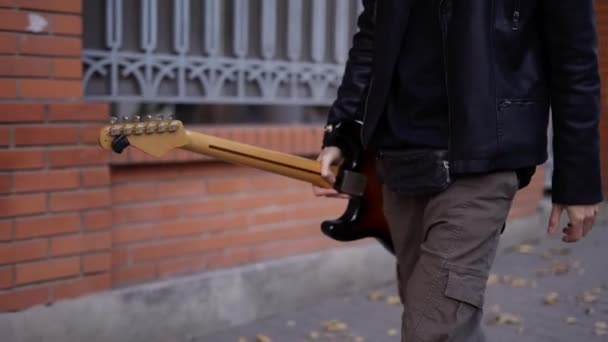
column 350, row 100
column 570, row 37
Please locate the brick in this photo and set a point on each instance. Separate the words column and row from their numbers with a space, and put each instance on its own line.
column 131, row 193
column 22, row 251
column 21, row 112
column 76, row 244
column 97, row 220
column 8, row 43
column 231, row 259
column 66, row 68
column 50, row 89
column 47, row 270
column 95, row 263
column 67, row 201
column 8, row 88
column 81, row 287
column 90, row 134
column 6, row 230
column 134, row 234
column 21, row 159
column 67, row 24
column 17, row 205
column 23, row 299
column 13, row 66
column 203, row 207
column 181, row 189
column 7, row 3
column 5, row 136
column 27, row 228
column 134, row 274
column 12, row 20
column 67, row 6
column 78, row 112
column 6, row 278
column 211, row 224
column 145, row 213
column 39, row 181
column 95, row 177
column 50, row 46
column 77, row 156
column 6, row 183
column 46, row 135
column 182, row 266
column 230, row 185
column 120, row 257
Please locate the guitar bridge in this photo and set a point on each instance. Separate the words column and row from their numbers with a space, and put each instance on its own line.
column 352, row 183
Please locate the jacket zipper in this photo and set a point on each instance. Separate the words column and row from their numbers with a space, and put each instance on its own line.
column 443, row 25
column 516, row 15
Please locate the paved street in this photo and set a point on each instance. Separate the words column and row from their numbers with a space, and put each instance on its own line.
column 520, row 303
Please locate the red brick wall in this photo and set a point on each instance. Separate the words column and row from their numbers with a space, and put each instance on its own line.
column 54, row 181
column 75, row 220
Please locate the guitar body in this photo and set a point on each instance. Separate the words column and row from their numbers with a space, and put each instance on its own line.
column 364, row 217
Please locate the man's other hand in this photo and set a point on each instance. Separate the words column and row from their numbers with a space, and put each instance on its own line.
column 582, row 218
column 329, row 157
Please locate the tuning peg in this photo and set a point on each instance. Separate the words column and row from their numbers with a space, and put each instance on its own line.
column 148, row 118
column 126, row 119
column 170, row 116
column 158, row 117
column 137, row 118
column 113, row 120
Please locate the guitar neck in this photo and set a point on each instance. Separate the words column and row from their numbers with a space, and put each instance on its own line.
column 268, row 160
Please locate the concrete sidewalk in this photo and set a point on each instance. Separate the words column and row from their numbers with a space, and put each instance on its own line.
column 525, row 273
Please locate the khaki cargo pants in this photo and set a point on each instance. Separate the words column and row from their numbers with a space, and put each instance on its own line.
column 445, row 245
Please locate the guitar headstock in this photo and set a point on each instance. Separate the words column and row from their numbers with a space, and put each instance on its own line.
column 154, row 135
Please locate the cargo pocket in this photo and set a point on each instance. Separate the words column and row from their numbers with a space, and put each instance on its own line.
column 466, row 287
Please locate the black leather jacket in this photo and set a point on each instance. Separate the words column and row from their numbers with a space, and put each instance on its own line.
column 507, row 62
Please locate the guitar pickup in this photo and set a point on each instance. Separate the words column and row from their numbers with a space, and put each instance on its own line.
column 352, row 183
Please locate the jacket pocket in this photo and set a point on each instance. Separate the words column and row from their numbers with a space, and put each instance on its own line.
column 522, row 125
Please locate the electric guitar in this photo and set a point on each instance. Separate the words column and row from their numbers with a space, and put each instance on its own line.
column 363, row 217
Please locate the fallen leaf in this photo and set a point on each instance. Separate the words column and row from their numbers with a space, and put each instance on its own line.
column 313, row 335
column 571, row 320
column 262, row 338
column 589, row 297
column 334, row 325
column 596, row 291
column 376, row 295
column 601, row 332
column 242, row 339
column 392, row 332
column 393, row 300
column 601, row 328
column 519, row 282
column 358, row 339
column 524, row 249
column 560, row 268
column 493, row 279
column 589, row 311
column 508, row 319
column 291, row 324
column 551, row 298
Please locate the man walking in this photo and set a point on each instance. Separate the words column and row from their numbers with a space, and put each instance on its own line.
column 454, row 100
